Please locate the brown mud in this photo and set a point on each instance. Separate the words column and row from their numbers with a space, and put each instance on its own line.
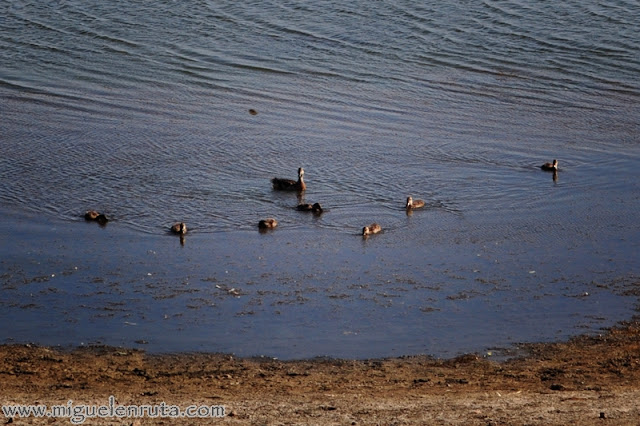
column 588, row 380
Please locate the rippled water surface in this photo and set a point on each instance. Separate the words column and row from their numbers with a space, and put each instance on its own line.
column 141, row 110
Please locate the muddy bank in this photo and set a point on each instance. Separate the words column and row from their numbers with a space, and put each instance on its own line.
column 586, row 380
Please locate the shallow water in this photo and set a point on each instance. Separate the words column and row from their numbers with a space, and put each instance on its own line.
column 296, row 293
column 142, row 111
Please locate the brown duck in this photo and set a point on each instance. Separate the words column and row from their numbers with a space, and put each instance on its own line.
column 315, row 208
column 374, row 228
column 414, row 204
column 269, row 223
column 179, row 228
column 93, row 215
column 550, row 167
column 289, row 184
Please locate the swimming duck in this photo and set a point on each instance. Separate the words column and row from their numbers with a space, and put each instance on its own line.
column 289, row 184
column 268, row 223
column 414, row 204
column 91, row 215
column 179, row 228
column 95, row 216
column 550, row 167
column 315, row 208
column 374, row 228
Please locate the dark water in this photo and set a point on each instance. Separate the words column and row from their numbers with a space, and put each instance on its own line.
column 141, row 110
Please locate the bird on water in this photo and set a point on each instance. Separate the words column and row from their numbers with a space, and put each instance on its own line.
column 281, row 184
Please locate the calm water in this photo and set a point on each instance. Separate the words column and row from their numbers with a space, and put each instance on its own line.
column 141, row 110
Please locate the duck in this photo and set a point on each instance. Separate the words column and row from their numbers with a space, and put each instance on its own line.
column 414, row 204
column 315, row 208
column 289, row 184
column 550, row 167
column 374, row 228
column 179, row 228
column 93, row 215
column 269, row 223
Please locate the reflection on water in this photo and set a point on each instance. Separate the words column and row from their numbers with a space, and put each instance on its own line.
column 161, row 112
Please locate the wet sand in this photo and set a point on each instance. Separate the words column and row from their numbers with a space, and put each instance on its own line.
column 586, row 380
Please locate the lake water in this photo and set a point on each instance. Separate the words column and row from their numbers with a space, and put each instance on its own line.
column 141, row 110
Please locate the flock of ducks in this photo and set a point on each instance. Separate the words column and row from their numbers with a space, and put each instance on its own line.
column 279, row 184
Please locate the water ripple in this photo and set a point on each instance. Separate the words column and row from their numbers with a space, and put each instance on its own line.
column 144, row 114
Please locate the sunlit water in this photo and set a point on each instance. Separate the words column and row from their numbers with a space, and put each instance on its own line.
column 141, row 110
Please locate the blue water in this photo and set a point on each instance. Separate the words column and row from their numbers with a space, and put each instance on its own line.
column 141, row 110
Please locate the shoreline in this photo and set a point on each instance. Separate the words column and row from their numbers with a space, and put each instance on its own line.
column 582, row 381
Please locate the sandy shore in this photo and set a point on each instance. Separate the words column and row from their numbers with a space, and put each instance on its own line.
column 587, row 380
